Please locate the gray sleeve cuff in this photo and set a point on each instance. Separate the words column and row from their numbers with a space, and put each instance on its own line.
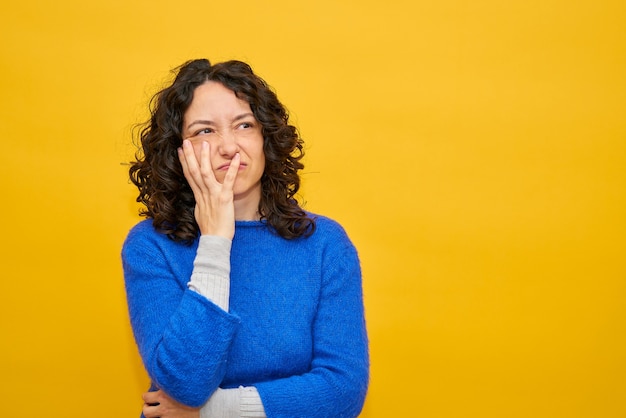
column 234, row 403
column 250, row 403
column 211, row 270
column 213, row 255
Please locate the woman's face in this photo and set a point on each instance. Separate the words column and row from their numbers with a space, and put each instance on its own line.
column 216, row 115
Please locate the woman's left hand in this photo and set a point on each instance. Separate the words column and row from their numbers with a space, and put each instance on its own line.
column 159, row 405
column 214, row 210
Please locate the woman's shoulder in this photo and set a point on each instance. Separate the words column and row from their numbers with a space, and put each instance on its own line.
column 142, row 230
column 324, row 222
column 337, row 249
column 144, row 233
column 329, row 229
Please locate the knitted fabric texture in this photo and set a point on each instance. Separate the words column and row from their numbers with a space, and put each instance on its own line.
column 295, row 329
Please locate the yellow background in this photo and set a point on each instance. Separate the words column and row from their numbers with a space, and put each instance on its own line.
column 474, row 150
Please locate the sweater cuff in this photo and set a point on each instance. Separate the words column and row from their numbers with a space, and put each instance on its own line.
column 250, row 402
column 213, row 255
column 211, row 271
column 234, row 403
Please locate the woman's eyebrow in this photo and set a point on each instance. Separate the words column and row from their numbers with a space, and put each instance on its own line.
column 208, row 122
column 243, row 116
column 199, row 122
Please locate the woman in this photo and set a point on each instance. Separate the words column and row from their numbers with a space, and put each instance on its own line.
column 241, row 303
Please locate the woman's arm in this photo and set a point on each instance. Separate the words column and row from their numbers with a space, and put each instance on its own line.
column 184, row 339
column 210, row 278
column 336, row 384
column 212, row 257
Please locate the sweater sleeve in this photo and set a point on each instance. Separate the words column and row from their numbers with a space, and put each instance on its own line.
column 336, row 384
column 183, row 338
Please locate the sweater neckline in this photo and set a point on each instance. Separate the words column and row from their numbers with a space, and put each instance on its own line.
column 250, row 223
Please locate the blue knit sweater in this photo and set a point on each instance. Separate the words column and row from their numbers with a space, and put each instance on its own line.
column 295, row 328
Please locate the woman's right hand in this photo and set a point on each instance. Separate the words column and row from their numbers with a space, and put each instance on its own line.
column 159, row 405
column 215, row 210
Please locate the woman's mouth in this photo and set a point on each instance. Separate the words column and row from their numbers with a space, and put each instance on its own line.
column 225, row 167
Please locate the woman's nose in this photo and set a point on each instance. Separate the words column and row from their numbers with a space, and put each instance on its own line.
column 228, row 145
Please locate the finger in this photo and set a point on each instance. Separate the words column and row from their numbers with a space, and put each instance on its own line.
column 206, row 168
column 182, row 158
column 193, row 166
column 150, row 411
column 151, row 397
column 192, row 184
column 190, row 166
column 151, row 408
column 231, row 174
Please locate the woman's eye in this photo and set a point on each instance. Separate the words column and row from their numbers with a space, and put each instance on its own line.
column 204, row 131
column 245, row 125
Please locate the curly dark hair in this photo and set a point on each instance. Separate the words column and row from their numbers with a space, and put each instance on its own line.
column 158, row 174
